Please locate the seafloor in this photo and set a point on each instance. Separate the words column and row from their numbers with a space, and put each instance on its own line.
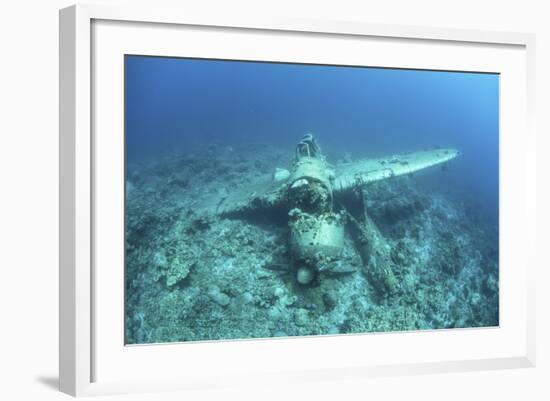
column 196, row 277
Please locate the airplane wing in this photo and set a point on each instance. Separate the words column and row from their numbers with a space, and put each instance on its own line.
column 369, row 170
column 263, row 193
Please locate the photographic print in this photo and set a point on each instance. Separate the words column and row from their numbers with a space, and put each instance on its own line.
column 271, row 199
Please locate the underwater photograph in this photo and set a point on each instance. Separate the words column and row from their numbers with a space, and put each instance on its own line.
column 271, row 199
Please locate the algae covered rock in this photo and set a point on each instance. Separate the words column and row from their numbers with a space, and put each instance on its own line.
column 173, row 263
column 301, row 317
column 219, row 297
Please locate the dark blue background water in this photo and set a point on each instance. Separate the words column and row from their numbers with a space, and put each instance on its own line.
column 172, row 104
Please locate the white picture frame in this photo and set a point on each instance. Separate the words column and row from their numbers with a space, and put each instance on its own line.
column 84, row 352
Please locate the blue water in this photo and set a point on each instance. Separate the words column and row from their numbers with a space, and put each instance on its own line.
column 174, row 102
column 192, row 276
